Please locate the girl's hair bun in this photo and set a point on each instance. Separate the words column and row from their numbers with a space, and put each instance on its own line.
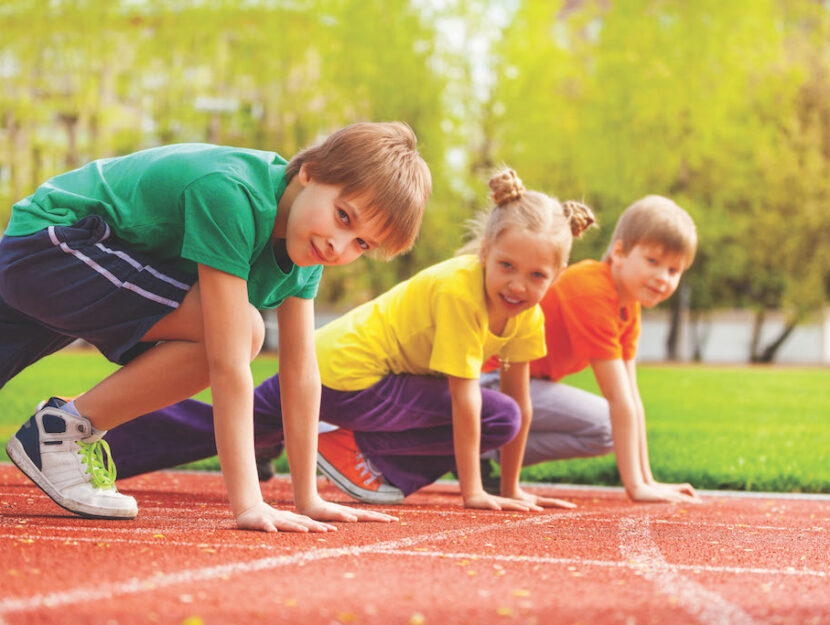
column 506, row 187
column 579, row 216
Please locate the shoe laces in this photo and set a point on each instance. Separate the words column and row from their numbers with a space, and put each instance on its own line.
column 102, row 474
column 366, row 468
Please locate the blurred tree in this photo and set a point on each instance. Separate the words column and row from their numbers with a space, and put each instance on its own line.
column 697, row 101
column 102, row 79
column 722, row 106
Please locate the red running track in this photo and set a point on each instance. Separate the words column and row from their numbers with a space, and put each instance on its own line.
column 730, row 560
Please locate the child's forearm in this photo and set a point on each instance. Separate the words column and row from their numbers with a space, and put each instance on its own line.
column 515, row 383
column 301, row 408
column 233, row 424
column 626, row 446
column 512, row 455
column 466, row 421
column 642, row 439
column 513, row 452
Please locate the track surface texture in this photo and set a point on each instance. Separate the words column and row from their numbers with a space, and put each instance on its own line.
column 730, row 560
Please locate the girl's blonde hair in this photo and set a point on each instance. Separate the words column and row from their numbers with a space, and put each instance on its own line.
column 378, row 163
column 656, row 220
column 516, row 207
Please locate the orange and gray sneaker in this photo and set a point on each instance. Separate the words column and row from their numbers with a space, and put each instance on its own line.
column 339, row 459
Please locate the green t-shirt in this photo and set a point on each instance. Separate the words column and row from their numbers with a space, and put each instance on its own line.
column 194, row 202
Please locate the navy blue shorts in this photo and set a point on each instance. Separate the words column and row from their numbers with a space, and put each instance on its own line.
column 80, row 281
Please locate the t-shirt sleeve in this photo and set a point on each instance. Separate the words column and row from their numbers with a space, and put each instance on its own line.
column 457, row 348
column 592, row 327
column 309, row 289
column 529, row 342
column 219, row 229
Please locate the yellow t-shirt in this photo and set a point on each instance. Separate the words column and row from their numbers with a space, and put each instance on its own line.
column 435, row 323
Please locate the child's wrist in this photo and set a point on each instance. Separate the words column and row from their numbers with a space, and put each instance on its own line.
column 307, row 501
column 240, row 511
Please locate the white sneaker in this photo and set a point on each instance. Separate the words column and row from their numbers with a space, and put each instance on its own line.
column 64, row 455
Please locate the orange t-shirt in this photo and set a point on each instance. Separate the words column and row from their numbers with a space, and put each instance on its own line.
column 584, row 321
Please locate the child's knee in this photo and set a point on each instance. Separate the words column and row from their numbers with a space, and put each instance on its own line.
column 257, row 332
column 602, row 441
column 502, row 421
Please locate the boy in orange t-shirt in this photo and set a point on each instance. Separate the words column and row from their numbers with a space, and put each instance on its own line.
column 592, row 317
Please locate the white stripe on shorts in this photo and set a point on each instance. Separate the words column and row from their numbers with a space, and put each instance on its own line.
column 151, row 270
column 108, row 275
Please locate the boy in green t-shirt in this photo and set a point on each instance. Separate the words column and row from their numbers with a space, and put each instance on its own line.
column 160, row 259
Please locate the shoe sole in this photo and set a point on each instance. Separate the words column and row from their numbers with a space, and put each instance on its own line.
column 361, row 494
column 22, row 461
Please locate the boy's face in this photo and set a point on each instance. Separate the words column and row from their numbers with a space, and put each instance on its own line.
column 324, row 228
column 519, row 266
column 647, row 274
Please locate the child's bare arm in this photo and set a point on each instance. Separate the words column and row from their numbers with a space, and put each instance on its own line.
column 466, row 421
column 640, row 416
column 628, row 432
column 300, row 396
column 645, row 463
column 228, row 332
column 515, row 382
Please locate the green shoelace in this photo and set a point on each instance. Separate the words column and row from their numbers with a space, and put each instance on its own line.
column 92, row 455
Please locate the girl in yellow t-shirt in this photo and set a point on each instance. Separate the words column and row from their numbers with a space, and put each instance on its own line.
column 400, row 373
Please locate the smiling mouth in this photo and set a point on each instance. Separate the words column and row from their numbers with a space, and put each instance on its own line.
column 510, row 301
column 316, row 253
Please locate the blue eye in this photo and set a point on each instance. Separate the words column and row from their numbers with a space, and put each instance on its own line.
column 363, row 245
column 505, row 264
column 343, row 216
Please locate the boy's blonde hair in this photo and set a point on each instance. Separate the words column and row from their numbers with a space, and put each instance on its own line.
column 515, row 207
column 378, row 163
column 656, row 220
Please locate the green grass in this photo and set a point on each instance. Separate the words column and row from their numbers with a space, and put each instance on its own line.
column 748, row 428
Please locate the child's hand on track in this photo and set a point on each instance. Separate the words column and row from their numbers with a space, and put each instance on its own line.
column 544, row 502
column 485, row 501
column 322, row 510
column 264, row 518
column 659, row 493
column 683, row 489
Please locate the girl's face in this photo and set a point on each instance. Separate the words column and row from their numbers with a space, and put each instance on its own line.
column 519, row 266
column 323, row 228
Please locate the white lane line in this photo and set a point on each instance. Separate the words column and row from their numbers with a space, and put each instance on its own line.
column 640, row 550
column 732, row 494
column 695, row 568
column 606, row 563
column 741, row 526
column 158, row 542
column 135, row 585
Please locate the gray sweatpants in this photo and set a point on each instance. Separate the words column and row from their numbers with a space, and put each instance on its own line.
column 567, row 422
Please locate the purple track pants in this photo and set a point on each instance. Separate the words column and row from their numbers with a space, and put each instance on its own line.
column 403, row 424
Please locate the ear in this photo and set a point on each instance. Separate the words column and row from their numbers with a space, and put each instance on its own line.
column 303, row 177
column 482, row 252
column 617, row 253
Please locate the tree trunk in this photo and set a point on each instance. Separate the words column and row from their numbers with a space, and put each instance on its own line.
column 679, row 307
column 700, row 330
column 768, row 354
column 757, row 325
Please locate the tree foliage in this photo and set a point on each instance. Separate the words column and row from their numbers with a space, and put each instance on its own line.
column 721, row 106
column 724, row 107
